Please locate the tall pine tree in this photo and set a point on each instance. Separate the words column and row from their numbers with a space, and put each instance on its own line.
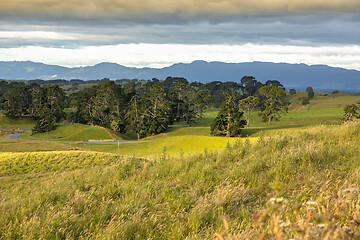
column 229, row 120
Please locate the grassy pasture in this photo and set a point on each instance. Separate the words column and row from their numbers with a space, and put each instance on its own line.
column 44, row 162
column 297, row 185
column 24, row 123
column 182, row 139
column 9, row 145
column 338, row 100
column 298, row 178
column 75, row 132
column 333, row 101
column 174, row 145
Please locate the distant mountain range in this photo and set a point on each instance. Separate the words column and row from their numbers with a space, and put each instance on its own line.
column 298, row 76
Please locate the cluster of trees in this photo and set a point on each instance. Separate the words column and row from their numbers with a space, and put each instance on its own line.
column 269, row 98
column 310, row 95
column 43, row 103
column 144, row 108
column 246, row 87
column 139, row 112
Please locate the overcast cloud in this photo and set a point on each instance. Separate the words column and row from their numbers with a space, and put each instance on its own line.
column 144, row 9
column 72, row 26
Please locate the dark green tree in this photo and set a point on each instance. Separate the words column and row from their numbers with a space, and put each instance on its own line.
column 189, row 114
column 177, row 94
column 229, row 120
column 310, row 92
column 102, row 105
column 249, row 104
column 273, row 105
column 46, row 120
column 351, row 112
column 202, row 101
column 17, row 102
column 86, row 105
column 292, row 91
column 129, row 91
column 250, row 85
column 135, row 117
column 275, row 83
column 107, row 103
column 54, row 97
column 36, row 95
column 157, row 111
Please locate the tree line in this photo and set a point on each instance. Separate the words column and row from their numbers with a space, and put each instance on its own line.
column 141, row 109
column 246, row 87
column 140, row 113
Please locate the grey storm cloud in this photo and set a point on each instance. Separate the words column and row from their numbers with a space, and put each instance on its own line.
column 294, row 30
column 77, row 23
column 136, row 9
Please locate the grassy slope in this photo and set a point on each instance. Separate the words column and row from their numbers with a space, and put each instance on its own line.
column 74, row 132
column 176, row 198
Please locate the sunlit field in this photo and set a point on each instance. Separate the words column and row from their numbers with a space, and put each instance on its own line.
column 180, row 139
column 302, row 185
column 179, row 120
column 75, row 132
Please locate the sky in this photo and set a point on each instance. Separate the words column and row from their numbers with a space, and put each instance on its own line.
column 158, row 33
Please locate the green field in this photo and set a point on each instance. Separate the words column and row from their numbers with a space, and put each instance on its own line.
column 45, row 162
column 180, row 139
column 297, row 178
column 7, row 123
column 9, row 145
column 75, row 132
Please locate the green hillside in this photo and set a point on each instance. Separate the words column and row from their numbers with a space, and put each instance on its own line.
column 75, row 132
column 297, row 185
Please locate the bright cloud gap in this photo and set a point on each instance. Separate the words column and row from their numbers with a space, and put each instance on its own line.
column 162, row 55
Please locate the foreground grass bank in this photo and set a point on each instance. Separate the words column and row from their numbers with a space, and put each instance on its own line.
column 303, row 184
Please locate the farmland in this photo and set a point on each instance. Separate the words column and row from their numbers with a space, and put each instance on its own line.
column 188, row 196
column 182, row 139
column 299, row 177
